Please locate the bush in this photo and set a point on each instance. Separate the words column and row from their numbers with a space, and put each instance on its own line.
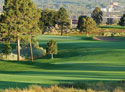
column 116, row 34
column 11, row 56
column 25, row 54
column 110, row 34
column 106, row 34
column 37, row 52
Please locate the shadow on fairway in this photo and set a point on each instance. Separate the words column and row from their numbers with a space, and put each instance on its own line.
column 73, row 66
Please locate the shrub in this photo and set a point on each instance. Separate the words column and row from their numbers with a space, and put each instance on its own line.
column 107, row 34
column 11, row 56
column 116, row 34
column 110, row 34
column 25, row 54
column 37, row 52
column 118, row 90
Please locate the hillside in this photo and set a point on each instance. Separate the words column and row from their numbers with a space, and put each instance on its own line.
column 74, row 7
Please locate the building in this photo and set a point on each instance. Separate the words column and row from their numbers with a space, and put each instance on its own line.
column 74, row 23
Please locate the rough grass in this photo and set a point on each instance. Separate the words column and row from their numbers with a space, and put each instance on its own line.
column 79, row 59
column 35, row 88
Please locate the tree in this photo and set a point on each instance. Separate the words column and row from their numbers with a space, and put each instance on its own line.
column 80, row 21
column 52, row 48
column 97, row 15
column 62, row 19
column 6, row 49
column 87, row 25
column 20, row 19
column 122, row 20
column 47, row 19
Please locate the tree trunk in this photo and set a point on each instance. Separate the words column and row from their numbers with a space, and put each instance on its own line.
column 61, row 32
column 31, row 49
column 51, row 56
column 18, row 49
column 6, row 56
column 87, row 34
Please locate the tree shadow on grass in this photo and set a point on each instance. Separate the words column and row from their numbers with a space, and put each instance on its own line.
column 71, row 78
column 88, row 75
column 74, row 49
column 82, row 53
column 81, row 66
column 87, row 38
column 73, row 66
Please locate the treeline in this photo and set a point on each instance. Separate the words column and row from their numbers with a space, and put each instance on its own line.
column 52, row 18
column 74, row 7
column 21, row 21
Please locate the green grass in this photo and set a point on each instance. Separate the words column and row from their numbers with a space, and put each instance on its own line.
column 79, row 59
column 113, row 27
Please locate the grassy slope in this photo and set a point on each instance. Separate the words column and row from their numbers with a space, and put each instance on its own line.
column 78, row 60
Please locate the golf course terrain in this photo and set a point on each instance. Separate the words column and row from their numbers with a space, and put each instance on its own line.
column 79, row 59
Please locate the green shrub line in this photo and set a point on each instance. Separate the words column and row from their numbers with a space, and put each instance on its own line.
column 112, row 27
column 113, row 34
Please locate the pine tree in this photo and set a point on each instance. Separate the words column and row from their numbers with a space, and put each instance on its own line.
column 62, row 19
column 80, row 21
column 122, row 20
column 47, row 19
column 20, row 19
column 52, row 48
column 97, row 15
column 87, row 25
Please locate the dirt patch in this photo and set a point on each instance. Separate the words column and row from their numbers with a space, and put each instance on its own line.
column 108, row 39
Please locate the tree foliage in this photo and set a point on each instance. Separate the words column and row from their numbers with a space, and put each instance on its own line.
column 52, row 48
column 87, row 25
column 6, row 48
column 122, row 20
column 80, row 20
column 62, row 19
column 47, row 19
column 20, row 19
column 97, row 15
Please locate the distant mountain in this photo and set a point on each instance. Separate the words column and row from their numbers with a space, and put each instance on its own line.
column 74, row 7
column 77, row 7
